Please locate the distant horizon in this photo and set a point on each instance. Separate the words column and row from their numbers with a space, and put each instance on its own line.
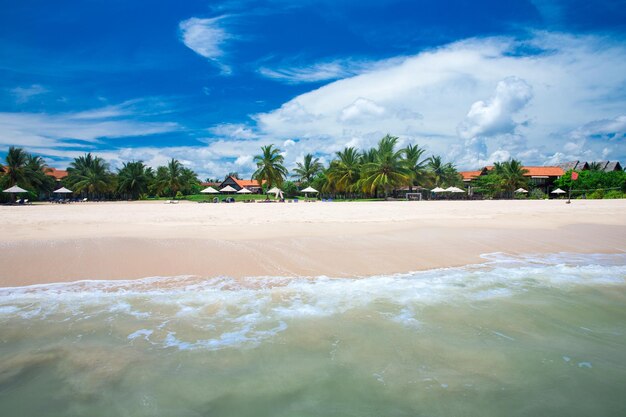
column 209, row 84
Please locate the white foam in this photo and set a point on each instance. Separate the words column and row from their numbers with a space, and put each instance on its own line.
column 225, row 312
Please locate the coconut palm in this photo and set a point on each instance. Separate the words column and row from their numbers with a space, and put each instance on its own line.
column 442, row 173
column 15, row 168
column 133, row 179
column 388, row 170
column 270, row 167
column 345, row 171
column 418, row 166
column 511, row 175
column 36, row 174
column 595, row 166
column 89, row 174
column 306, row 170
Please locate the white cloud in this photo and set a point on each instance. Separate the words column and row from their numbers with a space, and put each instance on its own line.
column 537, row 97
column 361, row 108
column 206, row 37
column 495, row 116
column 292, row 73
column 62, row 130
column 233, row 130
column 24, row 94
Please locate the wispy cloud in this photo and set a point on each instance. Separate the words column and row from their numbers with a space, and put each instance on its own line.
column 64, row 129
column 206, row 37
column 24, row 94
column 321, row 71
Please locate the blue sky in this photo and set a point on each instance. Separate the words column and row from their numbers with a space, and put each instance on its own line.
column 210, row 82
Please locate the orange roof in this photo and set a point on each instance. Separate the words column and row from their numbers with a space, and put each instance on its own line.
column 544, row 171
column 247, row 183
column 551, row 171
column 59, row 174
column 470, row 175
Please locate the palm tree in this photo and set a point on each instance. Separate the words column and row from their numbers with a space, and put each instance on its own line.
column 595, row 166
column 16, row 161
column 270, row 166
column 388, row 169
column 89, row 174
column 511, row 175
column 419, row 173
column 345, row 171
column 36, row 174
column 188, row 180
column 308, row 169
column 133, row 179
column 442, row 173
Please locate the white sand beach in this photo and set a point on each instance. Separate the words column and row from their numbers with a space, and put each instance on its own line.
column 54, row 243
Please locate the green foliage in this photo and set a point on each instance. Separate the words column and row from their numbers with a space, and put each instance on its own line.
column 442, row 174
column 133, row 179
column 308, row 169
column 614, row 194
column 387, row 170
column 89, row 174
column 179, row 195
column 589, row 181
column 536, row 194
column 290, row 189
column 27, row 171
column 502, row 180
column 270, row 166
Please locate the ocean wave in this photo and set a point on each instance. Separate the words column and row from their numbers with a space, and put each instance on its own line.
column 188, row 313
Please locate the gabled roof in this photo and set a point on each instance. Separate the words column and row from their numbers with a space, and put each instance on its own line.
column 612, row 166
column 575, row 165
column 247, row 183
column 59, row 174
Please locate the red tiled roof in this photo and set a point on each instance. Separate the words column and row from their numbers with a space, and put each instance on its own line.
column 59, row 174
column 247, row 183
column 544, row 171
column 470, row 175
column 552, row 171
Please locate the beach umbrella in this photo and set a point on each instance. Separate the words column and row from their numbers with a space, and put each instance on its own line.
column 209, row 190
column 228, row 189
column 244, row 191
column 63, row 190
column 438, row 190
column 15, row 190
column 274, row 190
column 454, row 190
column 310, row 190
column 521, row 190
column 558, row 191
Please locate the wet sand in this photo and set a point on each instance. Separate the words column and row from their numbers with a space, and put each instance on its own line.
column 54, row 243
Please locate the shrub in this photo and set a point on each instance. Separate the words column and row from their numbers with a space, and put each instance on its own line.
column 179, row 195
column 614, row 194
column 597, row 194
column 536, row 194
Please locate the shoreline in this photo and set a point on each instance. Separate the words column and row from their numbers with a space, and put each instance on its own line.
column 53, row 244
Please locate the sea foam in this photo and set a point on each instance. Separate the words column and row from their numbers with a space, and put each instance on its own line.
column 188, row 313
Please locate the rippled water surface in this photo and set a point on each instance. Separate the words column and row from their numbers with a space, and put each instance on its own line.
column 523, row 336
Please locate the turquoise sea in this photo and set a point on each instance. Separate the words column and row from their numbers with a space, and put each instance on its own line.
column 515, row 336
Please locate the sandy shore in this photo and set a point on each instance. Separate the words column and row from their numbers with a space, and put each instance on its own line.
column 53, row 243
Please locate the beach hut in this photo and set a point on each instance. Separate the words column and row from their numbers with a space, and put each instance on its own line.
column 63, row 190
column 309, row 190
column 276, row 191
column 209, row 190
column 244, row 191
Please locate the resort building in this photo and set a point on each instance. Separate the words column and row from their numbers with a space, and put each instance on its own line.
column 539, row 176
column 237, row 184
column 606, row 166
column 57, row 174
